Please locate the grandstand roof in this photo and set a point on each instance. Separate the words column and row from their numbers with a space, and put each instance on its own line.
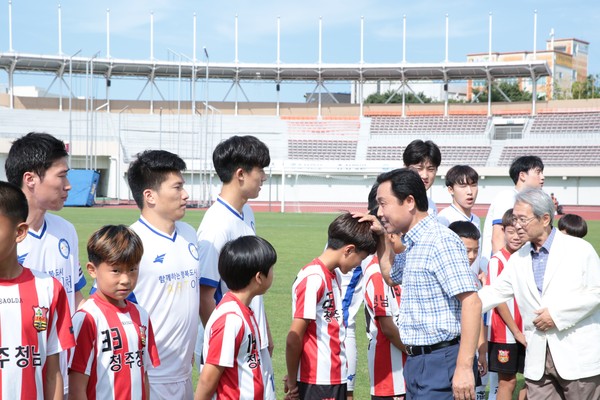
column 447, row 71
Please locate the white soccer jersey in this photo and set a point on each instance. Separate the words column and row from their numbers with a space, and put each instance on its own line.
column 167, row 288
column 498, row 331
column 231, row 341
column 35, row 322
column 316, row 296
column 386, row 361
column 54, row 249
column 452, row 214
column 221, row 224
column 114, row 348
column 503, row 201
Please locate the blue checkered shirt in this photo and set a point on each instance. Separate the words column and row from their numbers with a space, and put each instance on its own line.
column 433, row 269
column 539, row 259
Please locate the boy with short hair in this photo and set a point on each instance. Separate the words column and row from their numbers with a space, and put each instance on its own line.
column 36, row 322
column 167, row 286
column 386, row 355
column 573, row 225
column 115, row 340
column 424, row 158
column 315, row 352
column 232, row 357
column 469, row 234
column 461, row 181
column 240, row 162
column 37, row 163
column 506, row 353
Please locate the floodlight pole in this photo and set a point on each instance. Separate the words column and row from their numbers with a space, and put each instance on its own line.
column 206, row 113
column 10, row 35
column 71, row 104
column 120, row 161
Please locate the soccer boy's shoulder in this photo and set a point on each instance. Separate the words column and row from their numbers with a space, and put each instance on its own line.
column 58, row 225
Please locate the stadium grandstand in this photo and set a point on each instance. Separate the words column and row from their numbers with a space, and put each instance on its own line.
column 322, row 152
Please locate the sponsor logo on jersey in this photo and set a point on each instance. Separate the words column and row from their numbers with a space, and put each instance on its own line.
column 503, row 356
column 11, row 300
column 40, row 318
column 160, row 258
column 64, row 248
column 143, row 335
column 21, row 258
column 193, row 251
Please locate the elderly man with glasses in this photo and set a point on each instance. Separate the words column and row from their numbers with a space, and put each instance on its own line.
column 555, row 278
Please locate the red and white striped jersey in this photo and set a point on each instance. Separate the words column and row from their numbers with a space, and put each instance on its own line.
column 386, row 361
column 499, row 332
column 35, row 322
column 232, row 340
column 316, row 296
column 114, row 348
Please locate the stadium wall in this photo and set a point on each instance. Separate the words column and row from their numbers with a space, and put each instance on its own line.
column 109, row 141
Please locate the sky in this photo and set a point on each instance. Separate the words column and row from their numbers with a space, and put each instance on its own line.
column 35, row 30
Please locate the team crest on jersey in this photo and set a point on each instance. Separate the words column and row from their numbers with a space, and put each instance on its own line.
column 143, row 335
column 40, row 318
column 503, row 356
column 64, row 248
column 193, row 251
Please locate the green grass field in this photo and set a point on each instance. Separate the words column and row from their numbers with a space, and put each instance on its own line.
column 298, row 238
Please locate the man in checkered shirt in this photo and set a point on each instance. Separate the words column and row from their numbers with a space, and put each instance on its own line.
column 440, row 315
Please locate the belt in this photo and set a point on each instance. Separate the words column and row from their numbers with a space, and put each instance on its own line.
column 418, row 350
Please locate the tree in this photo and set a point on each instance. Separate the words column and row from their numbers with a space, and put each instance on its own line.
column 588, row 89
column 396, row 97
column 511, row 90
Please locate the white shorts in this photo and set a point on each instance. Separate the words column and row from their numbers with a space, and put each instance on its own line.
column 169, row 391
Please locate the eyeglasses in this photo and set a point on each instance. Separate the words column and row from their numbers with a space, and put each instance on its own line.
column 523, row 221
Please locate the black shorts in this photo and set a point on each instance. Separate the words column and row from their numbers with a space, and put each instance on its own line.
column 506, row 358
column 399, row 397
column 309, row 391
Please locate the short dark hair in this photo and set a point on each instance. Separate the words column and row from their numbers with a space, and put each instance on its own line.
column 34, row 152
column 149, row 170
column 524, row 164
column 465, row 229
column 245, row 152
column 372, row 206
column 573, row 224
column 13, row 203
column 406, row 182
column 461, row 175
column 419, row 151
column 346, row 229
column 242, row 258
column 508, row 218
column 115, row 245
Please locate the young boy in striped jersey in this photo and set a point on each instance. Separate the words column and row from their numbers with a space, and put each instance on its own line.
column 115, row 340
column 233, row 361
column 35, row 321
column 315, row 350
column 506, row 352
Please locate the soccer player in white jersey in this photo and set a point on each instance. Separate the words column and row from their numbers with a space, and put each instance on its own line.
column 233, row 360
column 239, row 162
column 461, row 181
column 525, row 171
column 315, row 351
column 167, row 286
column 425, row 158
column 115, row 340
column 35, row 322
column 37, row 163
